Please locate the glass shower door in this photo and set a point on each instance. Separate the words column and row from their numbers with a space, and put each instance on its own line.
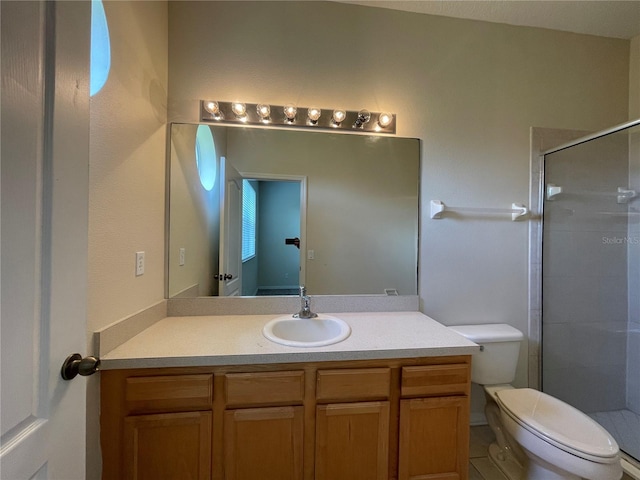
column 591, row 282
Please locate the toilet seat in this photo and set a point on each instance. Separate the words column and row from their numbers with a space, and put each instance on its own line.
column 559, row 424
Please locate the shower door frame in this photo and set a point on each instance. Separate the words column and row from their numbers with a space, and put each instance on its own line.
column 545, row 141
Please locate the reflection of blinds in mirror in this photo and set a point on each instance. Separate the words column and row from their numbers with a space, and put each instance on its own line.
column 248, row 221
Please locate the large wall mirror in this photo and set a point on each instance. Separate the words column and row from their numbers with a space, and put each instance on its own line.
column 257, row 211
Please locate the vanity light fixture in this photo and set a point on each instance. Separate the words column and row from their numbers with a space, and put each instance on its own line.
column 363, row 118
column 264, row 112
column 239, row 110
column 385, row 119
column 338, row 117
column 314, row 114
column 290, row 111
column 240, row 113
column 214, row 109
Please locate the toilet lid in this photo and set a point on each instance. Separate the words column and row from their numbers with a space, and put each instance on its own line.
column 557, row 422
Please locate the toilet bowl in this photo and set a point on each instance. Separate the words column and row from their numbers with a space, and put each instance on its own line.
column 565, row 443
column 538, row 437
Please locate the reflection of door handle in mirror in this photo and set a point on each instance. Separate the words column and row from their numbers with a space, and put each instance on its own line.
column 223, row 276
column 292, row 241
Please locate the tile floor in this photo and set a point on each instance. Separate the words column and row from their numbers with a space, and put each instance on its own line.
column 624, row 425
column 480, row 466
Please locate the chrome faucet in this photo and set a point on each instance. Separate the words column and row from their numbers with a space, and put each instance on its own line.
column 305, row 305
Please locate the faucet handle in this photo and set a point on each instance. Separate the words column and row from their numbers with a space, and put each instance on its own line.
column 303, row 290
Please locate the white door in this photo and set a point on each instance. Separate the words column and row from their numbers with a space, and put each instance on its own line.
column 230, row 271
column 43, row 236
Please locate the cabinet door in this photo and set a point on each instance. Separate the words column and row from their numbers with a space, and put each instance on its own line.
column 434, row 438
column 263, row 443
column 352, row 441
column 168, row 446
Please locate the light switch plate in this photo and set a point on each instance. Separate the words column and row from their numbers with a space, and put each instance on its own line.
column 139, row 263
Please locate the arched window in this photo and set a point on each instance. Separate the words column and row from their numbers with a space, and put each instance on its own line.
column 206, row 157
column 100, row 48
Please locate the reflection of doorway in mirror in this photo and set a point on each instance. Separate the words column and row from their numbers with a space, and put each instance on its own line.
column 275, row 268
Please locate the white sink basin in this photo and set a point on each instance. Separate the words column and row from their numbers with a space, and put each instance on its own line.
column 306, row 332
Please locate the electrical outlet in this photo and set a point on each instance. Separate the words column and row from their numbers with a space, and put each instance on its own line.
column 139, row 263
column 182, row 256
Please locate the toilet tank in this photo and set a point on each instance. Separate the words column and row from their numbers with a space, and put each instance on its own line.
column 497, row 361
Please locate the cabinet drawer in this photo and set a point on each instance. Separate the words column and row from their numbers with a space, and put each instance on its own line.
column 265, row 388
column 435, row 380
column 353, row 384
column 169, row 393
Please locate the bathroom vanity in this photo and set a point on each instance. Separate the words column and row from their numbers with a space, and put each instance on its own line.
column 211, row 398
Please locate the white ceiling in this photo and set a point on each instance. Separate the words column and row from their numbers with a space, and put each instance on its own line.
column 607, row 18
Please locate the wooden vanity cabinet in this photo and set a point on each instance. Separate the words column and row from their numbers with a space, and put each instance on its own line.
column 434, row 422
column 352, row 428
column 352, row 420
column 262, row 438
column 171, row 445
column 352, row 441
column 156, row 426
column 264, row 443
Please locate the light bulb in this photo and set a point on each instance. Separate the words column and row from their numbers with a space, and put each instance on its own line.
column 239, row 109
column 338, row 117
column 212, row 107
column 290, row 112
column 385, row 119
column 314, row 114
column 363, row 117
column 264, row 111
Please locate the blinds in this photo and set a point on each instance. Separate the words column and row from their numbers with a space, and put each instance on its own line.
column 248, row 221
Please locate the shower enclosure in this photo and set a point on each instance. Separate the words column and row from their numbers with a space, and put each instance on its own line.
column 591, row 279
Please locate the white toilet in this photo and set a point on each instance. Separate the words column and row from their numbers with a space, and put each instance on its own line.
column 538, row 437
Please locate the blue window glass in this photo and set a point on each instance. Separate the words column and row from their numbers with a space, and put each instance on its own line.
column 249, row 211
column 206, row 157
column 100, row 48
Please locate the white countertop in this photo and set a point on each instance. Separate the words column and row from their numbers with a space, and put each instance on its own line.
column 238, row 340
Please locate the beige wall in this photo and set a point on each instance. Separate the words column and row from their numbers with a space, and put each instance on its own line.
column 127, row 165
column 127, row 178
column 469, row 90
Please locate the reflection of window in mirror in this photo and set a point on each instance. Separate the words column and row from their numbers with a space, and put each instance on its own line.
column 206, row 157
column 248, row 221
